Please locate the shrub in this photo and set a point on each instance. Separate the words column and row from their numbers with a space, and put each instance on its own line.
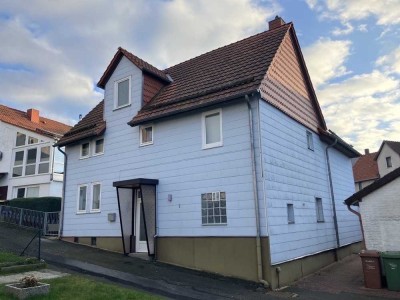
column 29, row 281
column 46, row 204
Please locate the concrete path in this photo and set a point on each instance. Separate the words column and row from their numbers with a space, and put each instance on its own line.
column 163, row 279
column 44, row 274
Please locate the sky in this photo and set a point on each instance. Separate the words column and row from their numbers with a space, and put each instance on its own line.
column 53, row 53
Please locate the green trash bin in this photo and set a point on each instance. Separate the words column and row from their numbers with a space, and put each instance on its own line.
column 391, row 263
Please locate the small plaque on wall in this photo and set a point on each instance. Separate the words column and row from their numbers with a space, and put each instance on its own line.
column 112, row 217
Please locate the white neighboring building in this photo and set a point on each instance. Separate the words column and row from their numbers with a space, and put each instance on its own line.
column 29, row 165
column 380, row 212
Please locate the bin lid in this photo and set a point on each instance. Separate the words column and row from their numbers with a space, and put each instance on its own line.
column 370, row 253
column 391, row 254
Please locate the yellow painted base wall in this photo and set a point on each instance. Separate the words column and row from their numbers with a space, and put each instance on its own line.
column 107, row 243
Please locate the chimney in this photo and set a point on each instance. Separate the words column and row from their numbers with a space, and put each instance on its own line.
column 33, row 115
column 275, row 23
column 366, row 151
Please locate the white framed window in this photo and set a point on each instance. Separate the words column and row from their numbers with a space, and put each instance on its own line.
column 98, row 147
column 122, row 92
column 310, row 141
column 44, row 161
column 146, row 135
column 212, row 129
column 290, row 213
column 213, row 208
column 82, row 198
column 20, row 140
column 18, row 163
column 30, row 166
column 96, row 197
column 27, row 192
column 389, row 162
column 85, row 150
column 319, row 210
column 33, row 140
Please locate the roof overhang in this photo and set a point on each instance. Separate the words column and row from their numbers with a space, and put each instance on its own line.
column 357, row 197
column 340, row 145
column 134, row 183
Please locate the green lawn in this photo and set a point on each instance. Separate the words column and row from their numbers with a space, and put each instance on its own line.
column 7, row 258
column 77, row 287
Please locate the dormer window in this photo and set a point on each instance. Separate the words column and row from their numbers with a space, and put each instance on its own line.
column 122, row 93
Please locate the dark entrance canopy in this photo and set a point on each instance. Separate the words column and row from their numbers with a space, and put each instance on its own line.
column 126, row 199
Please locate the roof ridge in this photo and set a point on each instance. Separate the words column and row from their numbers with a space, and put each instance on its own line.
column 233, row 43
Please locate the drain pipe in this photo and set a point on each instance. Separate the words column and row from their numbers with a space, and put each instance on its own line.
column 333, row 196
column 361, row 225
column 255, row 192
column 63, row 193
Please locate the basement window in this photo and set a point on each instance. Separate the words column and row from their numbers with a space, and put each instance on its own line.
column 213, row 208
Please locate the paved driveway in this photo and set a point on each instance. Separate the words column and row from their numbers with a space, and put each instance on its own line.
column 180, row 283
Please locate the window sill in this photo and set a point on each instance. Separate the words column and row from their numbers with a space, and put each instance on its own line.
column 84, row 157
column 217, row 224
column 121, row 107
column 96, row 211
column 98, row 154
column 81, row 212
column 146, row 144
column 320, row 221
column 210, row 146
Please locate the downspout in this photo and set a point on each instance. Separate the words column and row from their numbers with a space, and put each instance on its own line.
column 362, row 228
column 63, row 193
column 256, row 206
column 333, row 196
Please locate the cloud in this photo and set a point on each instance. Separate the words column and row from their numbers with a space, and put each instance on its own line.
column 56, row 51
column 326, row 59
column 348, row 28
column 386, row 12
column 390, row 62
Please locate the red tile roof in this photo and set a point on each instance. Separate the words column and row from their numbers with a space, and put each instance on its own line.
column 20, row 119
column 366, row 168
column 92, row 124
column 216, row 76
column 140, row 63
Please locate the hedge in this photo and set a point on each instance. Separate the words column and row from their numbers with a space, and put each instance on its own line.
column 47, row 204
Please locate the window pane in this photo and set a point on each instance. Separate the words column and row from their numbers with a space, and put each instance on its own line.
column 17, row 171
column 319, row 208
column 290, row 213
column 213, row 133
column 31, row 156
column 32, row 192
column 213, row 209
column 30, row 169
column 32, row 140
column 44, row 168
column 85, row 150
column 99, row 146
column 19, row 158
column 96, row 196
column 82, row 197
column 20, row 139
column 123, row 92
column 147, row 134
column 45, row 154
column 21, row 193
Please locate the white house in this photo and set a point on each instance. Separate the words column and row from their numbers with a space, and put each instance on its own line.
column 219, row 163
column 379, row 205
column 29, row 165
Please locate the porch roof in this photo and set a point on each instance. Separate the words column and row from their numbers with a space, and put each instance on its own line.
column 133, row 183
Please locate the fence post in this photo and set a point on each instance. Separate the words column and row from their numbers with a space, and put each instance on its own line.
column 20, row 216
column 45, row 223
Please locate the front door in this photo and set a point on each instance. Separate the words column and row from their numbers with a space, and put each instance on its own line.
column 141, row 244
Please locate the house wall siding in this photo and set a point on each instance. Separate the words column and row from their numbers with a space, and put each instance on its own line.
column 380, row 213
column 176, row 159
column 296, row 175
column 386, row 152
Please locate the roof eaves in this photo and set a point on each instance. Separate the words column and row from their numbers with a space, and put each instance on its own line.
column 341, row 145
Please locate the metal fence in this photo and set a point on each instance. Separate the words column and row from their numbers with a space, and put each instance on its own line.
column 49, row 222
